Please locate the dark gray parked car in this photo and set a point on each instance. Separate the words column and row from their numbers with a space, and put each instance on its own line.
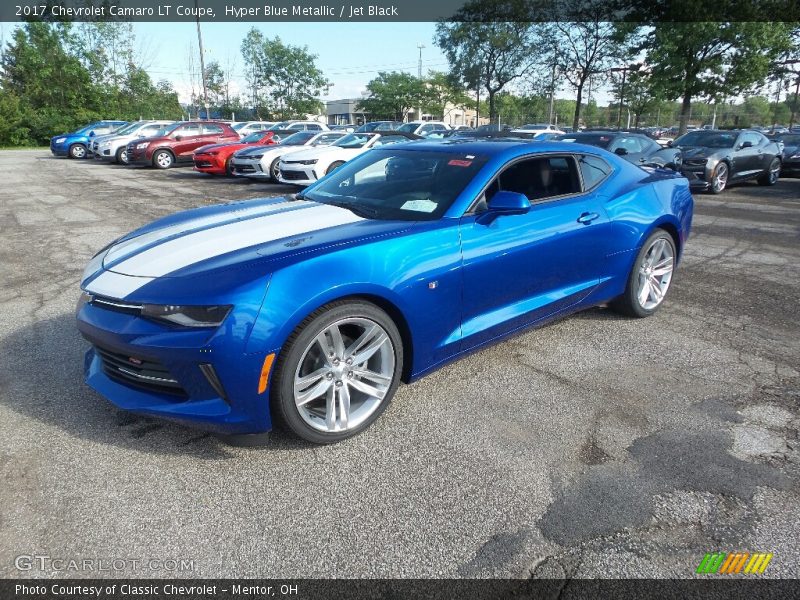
column 791, row 152
column 636, row 148
column 713, row 159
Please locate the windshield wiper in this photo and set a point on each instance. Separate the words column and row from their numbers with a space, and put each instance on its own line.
column 361, row 211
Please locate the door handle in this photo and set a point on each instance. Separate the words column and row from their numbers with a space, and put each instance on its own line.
column 587, row 218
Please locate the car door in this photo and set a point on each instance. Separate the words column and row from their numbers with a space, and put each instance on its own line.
column 521, row 268
column 630, row 148
column 213, row 133
column 187, row 138
column 747, row 155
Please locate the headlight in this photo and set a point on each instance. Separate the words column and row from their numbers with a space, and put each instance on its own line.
column 188, row 316
column 60, row 140
column 307, row 162
column 795, row 155
column 253, row 156
column 142, row 145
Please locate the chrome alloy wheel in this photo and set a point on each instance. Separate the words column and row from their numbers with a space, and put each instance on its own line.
column 655, row 274
column 774, row 171
column 164, row 160
column 720, row 177
column 344, row 375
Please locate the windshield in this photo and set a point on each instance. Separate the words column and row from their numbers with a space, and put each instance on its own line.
column 788, row 139
column 281, row 125
column 536, row 126
column 389, row 183
column 253, row 137
column 599, row 140
column 408, row 127
column 129, row 128
column 353, row 140
column 708, row 139
column 298, row 139
column 238, row 126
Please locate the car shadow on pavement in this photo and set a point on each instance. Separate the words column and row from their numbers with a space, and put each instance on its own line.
column 41, row 377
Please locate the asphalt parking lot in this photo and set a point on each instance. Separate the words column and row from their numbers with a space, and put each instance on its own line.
column 597, row 446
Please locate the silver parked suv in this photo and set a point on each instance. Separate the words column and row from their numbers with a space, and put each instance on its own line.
column 114, row 147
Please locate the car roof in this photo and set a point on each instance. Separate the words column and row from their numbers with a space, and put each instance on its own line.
column 505, row 146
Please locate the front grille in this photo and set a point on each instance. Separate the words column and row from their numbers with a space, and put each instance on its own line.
column 139, row 372
column 293, row 175
column 243, row 168
column 695, row 162
column 200, row 164
column 129, row 308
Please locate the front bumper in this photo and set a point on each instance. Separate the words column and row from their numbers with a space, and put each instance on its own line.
column 790, row 166
column 163, row 371
column 295, row 174
column 248, row 168
column 61, row 149
column 139, row 156
column 207, row 163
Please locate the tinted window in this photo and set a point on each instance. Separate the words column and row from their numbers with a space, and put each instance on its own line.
column 631, row 144
column 538, row 178
column 210, row 129
column 189, row 129
column 753, row 138
column 390, row 139
column 593, row 171
column 314, row 127
column 326, row 139
column 601, row 140
column 150, row 130
column 408, row 127
column 709, row 139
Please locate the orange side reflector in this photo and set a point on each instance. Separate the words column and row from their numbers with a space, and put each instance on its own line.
column 264, row 379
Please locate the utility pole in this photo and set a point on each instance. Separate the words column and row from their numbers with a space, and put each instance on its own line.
column 552, row 93
column 420, row 46
column 202, row 59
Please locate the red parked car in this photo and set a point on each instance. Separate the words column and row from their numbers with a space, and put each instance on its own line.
column 177, row 144
column 216, row 158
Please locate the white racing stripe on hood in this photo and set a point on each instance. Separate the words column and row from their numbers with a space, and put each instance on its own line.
column 192, row 248
column 115, row 285
column 135, row 244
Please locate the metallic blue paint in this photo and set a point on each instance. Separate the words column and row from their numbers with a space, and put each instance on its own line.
column 60, row 144
column 492, row 278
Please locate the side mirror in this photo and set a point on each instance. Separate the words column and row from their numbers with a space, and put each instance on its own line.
column 620, row 152
column 509, row 203
column 670, row 143
column 91, row 134
column 746, row 145
column 178, row 138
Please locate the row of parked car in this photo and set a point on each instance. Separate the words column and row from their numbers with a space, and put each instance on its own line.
column 301, row 152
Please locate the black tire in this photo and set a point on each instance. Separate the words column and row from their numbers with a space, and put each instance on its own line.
column 77, row 151
column 273, row 170
column 772, row 174
column 628, row 304
column 716, row 186
column 163, row 159
column 284, row 411
column 228, row 168
column 121, row 156
column 333, row 166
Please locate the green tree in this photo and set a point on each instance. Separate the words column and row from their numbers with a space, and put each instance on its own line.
column 283, row 79
column 486, row 54
column 689, row 61
column 443, row 94
column 392, row 95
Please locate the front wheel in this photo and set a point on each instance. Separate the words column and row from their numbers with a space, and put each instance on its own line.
column 772, row 174
column 163, row 159
column 122, row 156
column 77, row 151
column 338, row 372
column 719, row 179
column 274, row 169
column 334, row 166
column 650, row 277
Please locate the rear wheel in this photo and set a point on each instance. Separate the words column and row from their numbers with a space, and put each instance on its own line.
column 772, row 174
column 719, row 180
column 77, row 151
column 334, row 166
column 122, row 156
column 163, row 159
column 650, row 278
column 337, row 372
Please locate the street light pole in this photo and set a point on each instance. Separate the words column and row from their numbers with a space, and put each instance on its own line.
column 420, row 46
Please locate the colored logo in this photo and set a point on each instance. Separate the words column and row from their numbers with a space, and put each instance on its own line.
column 724, row 563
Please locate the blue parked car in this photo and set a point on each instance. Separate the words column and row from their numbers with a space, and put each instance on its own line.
column 76, row 144
column 309, row 310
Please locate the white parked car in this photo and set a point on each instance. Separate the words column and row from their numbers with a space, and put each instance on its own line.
column 307, row 166
column 261, row 162
column 299, row 126
column 113, row 147
column 245, row 128
column 535, row 128
column 423, row 128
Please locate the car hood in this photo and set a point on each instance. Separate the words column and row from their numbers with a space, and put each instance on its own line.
column 320, row 151
column 216, row 237
column 791, row 149
column 701, row 151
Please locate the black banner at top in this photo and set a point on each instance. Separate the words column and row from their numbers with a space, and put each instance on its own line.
column 640, row 11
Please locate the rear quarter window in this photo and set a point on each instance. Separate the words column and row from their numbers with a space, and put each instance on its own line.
column 593, row 170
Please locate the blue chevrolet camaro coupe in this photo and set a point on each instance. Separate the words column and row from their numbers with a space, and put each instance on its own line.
column 309, row 310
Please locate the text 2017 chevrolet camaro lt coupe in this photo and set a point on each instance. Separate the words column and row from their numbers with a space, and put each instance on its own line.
column 309, row 310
